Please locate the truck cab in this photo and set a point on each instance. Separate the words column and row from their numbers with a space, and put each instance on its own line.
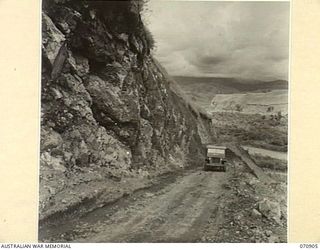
column 215, row 158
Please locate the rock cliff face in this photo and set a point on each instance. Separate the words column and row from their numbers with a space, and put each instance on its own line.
column 110, row 119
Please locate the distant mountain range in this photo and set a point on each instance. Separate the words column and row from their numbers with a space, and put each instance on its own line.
column 201, row 90
column 227, row 85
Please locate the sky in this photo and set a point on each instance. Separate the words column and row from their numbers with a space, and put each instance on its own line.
column 247, row 40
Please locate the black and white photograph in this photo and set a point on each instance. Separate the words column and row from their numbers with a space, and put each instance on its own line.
column 164, row 121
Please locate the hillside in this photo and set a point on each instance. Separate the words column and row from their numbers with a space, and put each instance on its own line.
column 270, row 102
column 201, row 90
column 248, row 112
column 110, row 120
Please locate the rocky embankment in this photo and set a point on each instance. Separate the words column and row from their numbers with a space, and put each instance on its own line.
column 110, row 120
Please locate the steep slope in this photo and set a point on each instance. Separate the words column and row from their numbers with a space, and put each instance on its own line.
column 110, row 120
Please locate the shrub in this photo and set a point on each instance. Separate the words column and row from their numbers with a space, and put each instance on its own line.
column 239, row 108
column 149, row 38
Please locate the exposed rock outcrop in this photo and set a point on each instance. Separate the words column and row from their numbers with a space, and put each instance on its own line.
column 270, row 209
column 109, row 114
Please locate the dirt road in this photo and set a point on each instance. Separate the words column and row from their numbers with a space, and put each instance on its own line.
column 186, row 206
column 177, row 212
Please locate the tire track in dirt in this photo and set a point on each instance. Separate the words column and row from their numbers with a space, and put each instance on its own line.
column 184, row 224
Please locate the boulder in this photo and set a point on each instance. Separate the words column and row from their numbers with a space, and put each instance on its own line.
column 54, row 163
column 255, row 213
column 52, row 39
column 65, row 18
column 270, row 209
column 78, row 64
column 50, row 139
column 108, row 99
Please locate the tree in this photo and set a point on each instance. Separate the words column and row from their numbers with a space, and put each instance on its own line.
column 270, row 109
column 279, row 116
column 239, row 108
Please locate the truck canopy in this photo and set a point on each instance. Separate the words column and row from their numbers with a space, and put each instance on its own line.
column 216, row 151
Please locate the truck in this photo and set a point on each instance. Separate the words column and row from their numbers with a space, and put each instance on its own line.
column 215, row 158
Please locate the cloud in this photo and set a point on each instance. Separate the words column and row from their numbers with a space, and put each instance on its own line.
column 208, row 38
column 211, row 60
